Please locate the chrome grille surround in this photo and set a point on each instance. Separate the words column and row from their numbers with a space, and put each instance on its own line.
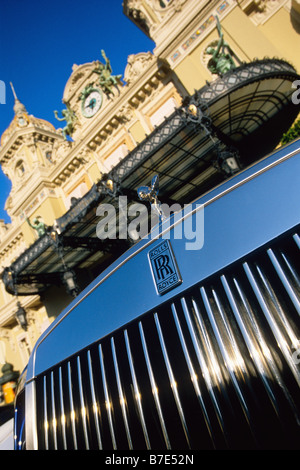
column 215, row 367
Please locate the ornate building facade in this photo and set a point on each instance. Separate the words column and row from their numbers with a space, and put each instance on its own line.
column 106, row 119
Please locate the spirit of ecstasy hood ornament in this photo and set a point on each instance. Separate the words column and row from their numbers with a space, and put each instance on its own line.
column 150, row 194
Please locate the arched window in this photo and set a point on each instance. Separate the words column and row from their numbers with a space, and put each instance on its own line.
column 49, row 156
column 20, row 168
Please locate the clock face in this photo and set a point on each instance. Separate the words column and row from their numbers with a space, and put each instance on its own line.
column 22, row 121
column 91, row 103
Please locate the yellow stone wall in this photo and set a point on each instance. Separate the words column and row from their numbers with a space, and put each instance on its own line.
column 137, row 131
column 276, row 37
column 285, row 36
column 49, row 210
column 94, row 172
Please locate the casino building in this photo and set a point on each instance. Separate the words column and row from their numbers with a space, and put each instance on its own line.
column 215, row 95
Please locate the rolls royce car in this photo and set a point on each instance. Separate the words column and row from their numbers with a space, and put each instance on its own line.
column 190, row 340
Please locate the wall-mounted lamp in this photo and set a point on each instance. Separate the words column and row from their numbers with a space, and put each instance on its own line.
column 69, row 280
column 21, row 316
column 228, row 162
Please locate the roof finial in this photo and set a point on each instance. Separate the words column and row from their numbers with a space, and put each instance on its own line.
column 19, row 108
column 13, row 90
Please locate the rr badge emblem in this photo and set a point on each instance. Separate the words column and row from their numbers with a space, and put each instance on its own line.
column 164, row 268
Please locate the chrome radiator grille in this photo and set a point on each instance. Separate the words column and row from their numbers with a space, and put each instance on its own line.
column 215, row 368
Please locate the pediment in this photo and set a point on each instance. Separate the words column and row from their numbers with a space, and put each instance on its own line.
column 136, row 65
column 80, row 73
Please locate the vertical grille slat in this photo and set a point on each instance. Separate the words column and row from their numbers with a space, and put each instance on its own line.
column 294, row 276
column 108, row 402
column 154, row 389
column 212, row 368
column 121, row 395
column 54, row 422
column 297, row 239
column 94, row 403
column 137, row 393
column 82, row 405
column 173, row 383
column 72, row 409
column 62, row 411
column 46, row 425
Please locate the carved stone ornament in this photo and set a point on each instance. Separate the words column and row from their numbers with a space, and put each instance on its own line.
column 136, row 64
column 32, row 321
column 125, row 114
column 260, row 5
column 135, row 11
column 5, row 334
column 85, row 156
column 260, row 10
column 164, row 5
column 61, row 149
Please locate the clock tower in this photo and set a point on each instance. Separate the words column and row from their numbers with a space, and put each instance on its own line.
column 91, row 89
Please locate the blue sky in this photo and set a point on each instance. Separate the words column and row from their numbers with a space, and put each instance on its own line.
column 40, row 40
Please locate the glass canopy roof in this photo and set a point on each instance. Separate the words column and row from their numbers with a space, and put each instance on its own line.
column 247, row 110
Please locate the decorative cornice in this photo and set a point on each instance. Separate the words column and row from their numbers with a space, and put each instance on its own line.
column 121, row 112
column 260, row 11
column 7, row 245
column 19, row 136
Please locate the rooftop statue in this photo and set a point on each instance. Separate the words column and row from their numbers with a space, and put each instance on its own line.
column 106, row 79
column 38, row 225
column 70, row 117
column 222, row 56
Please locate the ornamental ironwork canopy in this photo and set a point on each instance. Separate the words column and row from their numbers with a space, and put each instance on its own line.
column 244, row 113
